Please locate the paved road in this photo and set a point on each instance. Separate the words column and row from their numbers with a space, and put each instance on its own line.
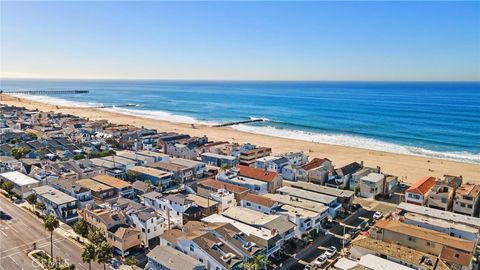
column 18, row 234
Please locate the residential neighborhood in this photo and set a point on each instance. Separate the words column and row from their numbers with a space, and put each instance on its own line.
column 152, row 199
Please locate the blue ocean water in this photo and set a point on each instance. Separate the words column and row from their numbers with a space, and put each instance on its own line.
column 437, row 119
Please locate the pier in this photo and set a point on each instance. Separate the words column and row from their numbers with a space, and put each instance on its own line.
column 239, row 122
column 44, row 92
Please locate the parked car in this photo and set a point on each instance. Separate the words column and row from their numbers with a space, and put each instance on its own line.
column 346, row 239
column 320, row 260
column 331, row 251
column 378, row 215
column 353, row 232
column 363, row 226
column 307, row 267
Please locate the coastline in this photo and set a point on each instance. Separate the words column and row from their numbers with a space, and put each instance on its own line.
column 410, row 167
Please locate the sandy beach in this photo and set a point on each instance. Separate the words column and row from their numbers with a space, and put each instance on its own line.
column 407, row 167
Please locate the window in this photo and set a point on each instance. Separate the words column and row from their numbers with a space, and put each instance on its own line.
column 444, row 200
column 469, row 206
column 412, row 239
column 192, row 248
column 249, row 204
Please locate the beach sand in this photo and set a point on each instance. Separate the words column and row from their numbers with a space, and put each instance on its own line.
column 406, row 167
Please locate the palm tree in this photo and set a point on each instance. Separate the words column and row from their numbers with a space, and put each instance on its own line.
column 88, row 254
column 50, row 222
column 104, row 253
column 260, row 261
column 96, row 236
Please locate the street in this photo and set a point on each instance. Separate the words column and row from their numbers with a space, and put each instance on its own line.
column 20, row 230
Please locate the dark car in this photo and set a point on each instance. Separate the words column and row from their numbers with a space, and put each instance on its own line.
column 4, row 216
column 363, row 226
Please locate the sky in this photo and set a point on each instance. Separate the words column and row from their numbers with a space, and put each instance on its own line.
column 397, row 41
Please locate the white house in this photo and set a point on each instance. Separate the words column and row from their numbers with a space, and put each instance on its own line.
column 22, row 184
column 60, row 204
column 371, row 185
column 168, row 258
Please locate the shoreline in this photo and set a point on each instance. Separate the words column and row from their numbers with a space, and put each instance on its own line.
column 406, row 167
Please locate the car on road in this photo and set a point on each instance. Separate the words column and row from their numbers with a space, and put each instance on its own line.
column 4, row 215
column 363, row 226
column 378, row 215
column 346, row 239
column 331, row 251
column 320, row 260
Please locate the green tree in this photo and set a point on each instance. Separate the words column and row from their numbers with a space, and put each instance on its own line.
column 50, row 222
column 32, row 198
column 89, row 254
column 81, row 227
column 130, row 261
column 93, row 154
column 32, row 136
column 7, row 186
column 78, row 156
column 40, row 206
column 357, row 189
column 132, row 176
column 112, row 142
column 104, row 252
column 96, row 236
column 19, row 152
column 261, row 261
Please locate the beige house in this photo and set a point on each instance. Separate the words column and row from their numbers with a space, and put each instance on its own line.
column 467, row 200
column 114, row 224
column 441, row 196
column 450, row 249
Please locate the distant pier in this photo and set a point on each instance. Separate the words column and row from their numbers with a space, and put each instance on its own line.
column 239, row 122
column 43, row 92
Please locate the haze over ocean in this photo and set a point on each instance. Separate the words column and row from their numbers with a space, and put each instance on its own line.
column 436, row 119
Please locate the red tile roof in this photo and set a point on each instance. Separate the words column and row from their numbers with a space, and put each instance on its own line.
column 469, row 190
column 422, row 185
column 258, row 199
column 221, row 185
column 258, row 174
column 314, row 163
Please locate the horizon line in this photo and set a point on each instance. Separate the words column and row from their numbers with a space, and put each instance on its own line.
column 222, row 80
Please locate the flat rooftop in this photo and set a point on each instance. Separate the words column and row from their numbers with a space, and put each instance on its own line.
column 440, row 223
column 53, row 195
column 308, row 195
column 248, row 216
column 172, row 258
column 336, row 192
column 293, row 211
column 111, row 181
column 151, row 171
column 93, row 185
column 201, row 201
column 219, row 156
column 19, row 178
column 298, row 202
column 245, row 228
column 434, row 213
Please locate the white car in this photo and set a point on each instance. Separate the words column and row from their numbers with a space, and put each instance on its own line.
column 321, row 260
column 331, row 251
column 377, row 215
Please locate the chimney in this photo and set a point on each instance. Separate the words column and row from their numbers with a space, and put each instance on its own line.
column 361, row 163
column 378, row 169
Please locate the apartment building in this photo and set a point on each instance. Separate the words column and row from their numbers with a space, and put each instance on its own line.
column 467, row 200
column 247, row 158
column 450, row 249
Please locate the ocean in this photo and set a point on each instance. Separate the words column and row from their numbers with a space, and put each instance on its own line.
column 433, row 119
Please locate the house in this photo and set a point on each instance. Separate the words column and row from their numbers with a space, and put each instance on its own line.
column 113, row 223
column 342, row 176
column 60, row 204
column 70, row 187
column 134, row 156
column 371, row 185
column 149, row 222
column 100, row 192
column 305, row 220
column 330, row 201
column 345, row 197
column 370, row 262
column 8, row 163
column 156, row 177
column 215, row 245
column 262, row 237
column 259, row 203
column 84, row 168
column 231, row 177
column 206, row 187
column 121, row 187
column 441, row 195
column 450, row 228
column 317, row 170
column 219, row 160
column 278, row 223
column 197, row 167
column 273, row 180
column 467, row 200
column 140, row 187
column 474, row 222
column 180, row 173
column 156, row 156
column 207, row 206
column 22, row 184
column 396, row 253
column 176, row 207
column 448, row 248
column 419, row 191
column 168, row 258
column 248, row 157
column 224, row 198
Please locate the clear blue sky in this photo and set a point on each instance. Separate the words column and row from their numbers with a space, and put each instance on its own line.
column 242, row 40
